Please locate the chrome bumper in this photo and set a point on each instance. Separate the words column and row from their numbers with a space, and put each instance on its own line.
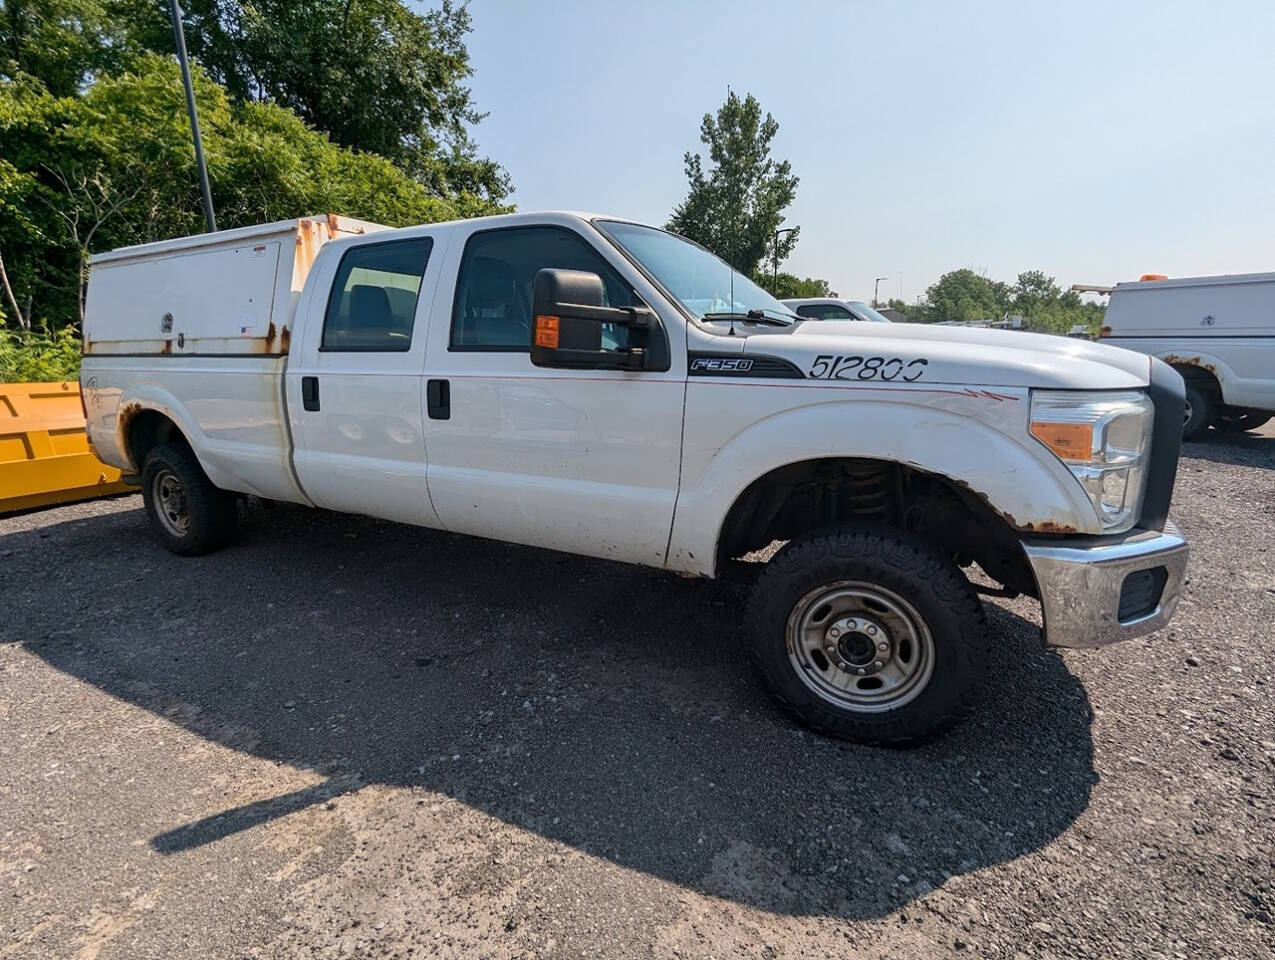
column 1082, row 587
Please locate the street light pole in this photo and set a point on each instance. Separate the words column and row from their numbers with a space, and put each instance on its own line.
column 774, row 282
column 875, row 288
column 179, row 36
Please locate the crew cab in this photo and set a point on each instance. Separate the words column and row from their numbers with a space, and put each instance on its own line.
column 588, row 384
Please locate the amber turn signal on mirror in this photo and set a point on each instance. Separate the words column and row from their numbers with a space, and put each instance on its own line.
column 547, row 331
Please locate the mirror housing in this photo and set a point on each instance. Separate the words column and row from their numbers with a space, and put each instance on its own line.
column 566, row 324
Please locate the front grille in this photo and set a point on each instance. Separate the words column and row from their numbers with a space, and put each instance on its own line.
column 1140, row 593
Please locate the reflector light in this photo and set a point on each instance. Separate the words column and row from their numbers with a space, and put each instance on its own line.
column 1070, row 441
column 547, row 331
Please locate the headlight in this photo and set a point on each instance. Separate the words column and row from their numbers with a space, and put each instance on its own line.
column 1104, row 439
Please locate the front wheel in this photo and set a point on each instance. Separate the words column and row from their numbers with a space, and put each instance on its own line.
column 870, row 635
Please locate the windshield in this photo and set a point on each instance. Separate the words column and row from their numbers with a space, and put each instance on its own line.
column 701, row 282
column 865, row 312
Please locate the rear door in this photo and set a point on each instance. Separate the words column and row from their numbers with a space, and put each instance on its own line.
column 354, row 386
column 579, row 460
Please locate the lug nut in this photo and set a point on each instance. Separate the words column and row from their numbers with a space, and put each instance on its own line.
column 861, row 671
column 883, row 647
column 872, row 631
column 834, row 633
column 879, row 664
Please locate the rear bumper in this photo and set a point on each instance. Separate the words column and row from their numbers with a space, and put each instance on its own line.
column 1092, row 595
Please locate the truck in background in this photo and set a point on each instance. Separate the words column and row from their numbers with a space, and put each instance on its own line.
column 1217, row 332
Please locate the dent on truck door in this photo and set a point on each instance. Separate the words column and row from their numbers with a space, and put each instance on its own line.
column 578, row 460
column 354, row 388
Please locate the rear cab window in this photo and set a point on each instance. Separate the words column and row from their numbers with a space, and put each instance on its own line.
column 372, row 305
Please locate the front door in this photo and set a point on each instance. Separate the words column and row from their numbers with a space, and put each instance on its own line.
column 354, row 386
column 579, row 460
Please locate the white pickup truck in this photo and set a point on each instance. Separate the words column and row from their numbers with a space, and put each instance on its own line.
column 589, row 384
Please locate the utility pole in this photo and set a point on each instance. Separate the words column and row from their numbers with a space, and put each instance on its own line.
column 774, row 283
column 875, row 288
column 179, row 36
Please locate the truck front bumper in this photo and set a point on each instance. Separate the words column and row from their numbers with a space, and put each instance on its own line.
column 1095, row 594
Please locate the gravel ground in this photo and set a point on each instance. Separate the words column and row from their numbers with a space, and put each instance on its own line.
column 343, row 737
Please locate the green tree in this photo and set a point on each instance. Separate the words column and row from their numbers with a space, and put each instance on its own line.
column 962, row 296
column 374, row 75
column 58, row 42
column 115, row 166
column 789, row 286
column 735, row 208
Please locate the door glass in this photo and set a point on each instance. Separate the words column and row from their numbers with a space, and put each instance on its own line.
column 373, row 301
column 492, row 310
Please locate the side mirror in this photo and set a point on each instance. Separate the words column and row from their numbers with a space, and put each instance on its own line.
column 567, row 320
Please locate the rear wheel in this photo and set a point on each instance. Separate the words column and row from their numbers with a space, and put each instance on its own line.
column 1239, row 422
column 188, row 514
column 1198, row 412
column 870, row 635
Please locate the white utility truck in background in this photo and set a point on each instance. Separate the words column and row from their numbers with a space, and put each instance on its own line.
column 1218, row 332
column 593, row 385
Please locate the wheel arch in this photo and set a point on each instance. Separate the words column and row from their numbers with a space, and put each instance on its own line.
column 1017, row 488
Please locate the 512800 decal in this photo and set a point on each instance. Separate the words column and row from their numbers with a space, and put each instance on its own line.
column 829, row 367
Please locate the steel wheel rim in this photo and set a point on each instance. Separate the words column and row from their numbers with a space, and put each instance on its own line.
column 1186, row 412
column 860, row 646
column 170, row 503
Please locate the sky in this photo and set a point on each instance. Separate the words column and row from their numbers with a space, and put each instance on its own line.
column 1094, row 141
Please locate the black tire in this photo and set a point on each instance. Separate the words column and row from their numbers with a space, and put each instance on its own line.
column 1239, row 422
column 887, row 562
column 1199, row 412
column 206, row 516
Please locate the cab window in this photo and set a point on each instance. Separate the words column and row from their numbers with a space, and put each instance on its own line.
column 373, row 301
column 492, row 309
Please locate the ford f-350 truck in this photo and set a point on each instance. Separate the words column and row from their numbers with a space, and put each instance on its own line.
column 589, row 384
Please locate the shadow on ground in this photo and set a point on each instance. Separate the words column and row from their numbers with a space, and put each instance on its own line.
column 603, row 706
column 1239, row 449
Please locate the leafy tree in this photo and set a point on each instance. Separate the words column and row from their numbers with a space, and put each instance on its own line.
column 116, row 166
column 58, row 42
column 373, row 74
column 789, row 286
column 735, row 209
column 962, row 296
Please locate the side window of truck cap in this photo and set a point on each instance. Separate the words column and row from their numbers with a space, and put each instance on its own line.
column 492, row 309
column 372, row 305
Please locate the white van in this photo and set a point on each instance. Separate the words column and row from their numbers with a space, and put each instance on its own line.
column 1218, row 332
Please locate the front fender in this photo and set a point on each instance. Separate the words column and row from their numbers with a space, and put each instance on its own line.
column 945, row 435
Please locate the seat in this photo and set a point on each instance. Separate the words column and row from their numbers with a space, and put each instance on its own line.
column 495, row 314
column 370, row 308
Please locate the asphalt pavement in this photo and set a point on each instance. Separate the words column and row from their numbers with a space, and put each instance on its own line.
column 342, row 737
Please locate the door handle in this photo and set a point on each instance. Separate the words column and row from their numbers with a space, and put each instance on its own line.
column 310, row 393
column 438, row 399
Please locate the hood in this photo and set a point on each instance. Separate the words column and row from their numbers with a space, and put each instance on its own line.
column 961, row 355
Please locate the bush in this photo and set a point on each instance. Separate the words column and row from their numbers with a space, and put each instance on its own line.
column 31, row 357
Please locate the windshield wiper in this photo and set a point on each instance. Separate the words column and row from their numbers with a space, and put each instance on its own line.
column 757, row 316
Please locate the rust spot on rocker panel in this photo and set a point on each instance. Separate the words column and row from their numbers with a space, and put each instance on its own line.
column 167, row 347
